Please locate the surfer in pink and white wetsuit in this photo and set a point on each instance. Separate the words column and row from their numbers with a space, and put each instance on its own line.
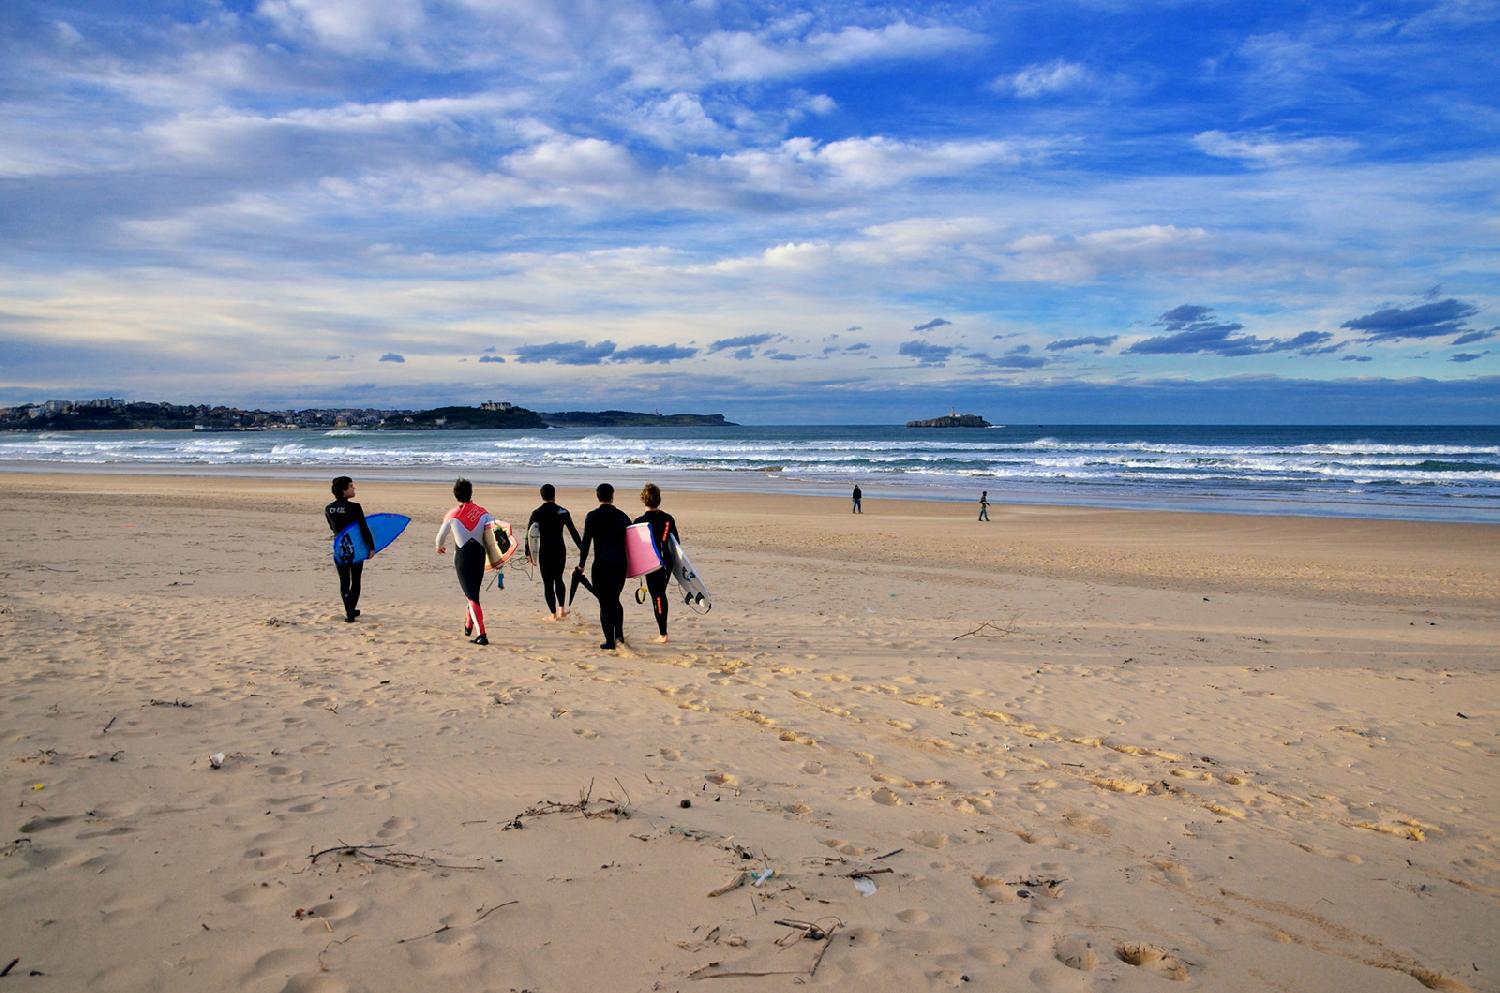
column 466, row 524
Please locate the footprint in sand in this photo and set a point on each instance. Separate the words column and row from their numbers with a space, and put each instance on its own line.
column 286, row 774
column 721, row 778
column 587, row 733
column 844, row 847
column 396, row 827
column 1157, row 960
column 887, row 797
column 1076, row 952
column 332, row 910
column 812, row 768
column 256, row 895
column 670, row 754
column 930, row 839
column 996, row 888
column 913, row 916
column 314, row 982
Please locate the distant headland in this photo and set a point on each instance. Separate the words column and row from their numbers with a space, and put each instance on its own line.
column 110, row 414
column 952, row 421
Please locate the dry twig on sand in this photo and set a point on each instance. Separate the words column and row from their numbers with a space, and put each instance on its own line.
column 605, row 808
column 449, row 927
column 394, row 859
column 1009, row 628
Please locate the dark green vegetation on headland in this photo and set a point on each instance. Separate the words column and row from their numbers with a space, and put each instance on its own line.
column 117, row 415
column 952, row 421
column 626, row 418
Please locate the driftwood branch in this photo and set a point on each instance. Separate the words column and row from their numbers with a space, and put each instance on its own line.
column 1009, row 628
column 450, row 927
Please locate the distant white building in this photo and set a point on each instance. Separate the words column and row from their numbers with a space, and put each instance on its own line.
column 495, row 405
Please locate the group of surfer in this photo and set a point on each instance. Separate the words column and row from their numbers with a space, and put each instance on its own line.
column 603, row 536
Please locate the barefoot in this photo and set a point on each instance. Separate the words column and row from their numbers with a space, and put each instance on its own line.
column 660, row 639
column 550, row 619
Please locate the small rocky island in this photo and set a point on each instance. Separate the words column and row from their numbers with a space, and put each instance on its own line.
column 952, row 421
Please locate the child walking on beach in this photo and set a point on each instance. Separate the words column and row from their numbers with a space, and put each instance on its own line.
column 604, row 534
column 341, row 513
column 466, row 524
column 663, row 526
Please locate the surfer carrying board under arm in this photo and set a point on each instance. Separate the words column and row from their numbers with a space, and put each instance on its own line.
column 341, row 513
column 552, row 555
column 466, row 524
column 604, row 535
column 663, row 525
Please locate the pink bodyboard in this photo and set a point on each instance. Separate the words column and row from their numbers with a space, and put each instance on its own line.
column 641, row 555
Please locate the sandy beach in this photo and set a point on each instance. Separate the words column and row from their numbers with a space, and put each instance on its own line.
column 1069, row 749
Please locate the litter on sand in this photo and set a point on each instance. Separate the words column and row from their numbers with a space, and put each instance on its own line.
column 865, row 885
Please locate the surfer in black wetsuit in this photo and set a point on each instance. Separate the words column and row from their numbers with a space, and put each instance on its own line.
column 984, row 505
column 604, row 534
column 341, row 513
column 552, row 555
column 663, row 526
column 858, row 496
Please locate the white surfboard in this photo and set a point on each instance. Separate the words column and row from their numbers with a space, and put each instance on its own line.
column 694, row 593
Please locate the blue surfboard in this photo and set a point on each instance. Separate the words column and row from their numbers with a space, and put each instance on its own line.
column 349, row 545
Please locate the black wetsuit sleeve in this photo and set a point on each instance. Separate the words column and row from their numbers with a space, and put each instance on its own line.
column 364, row 529
column 568, row 520
column 588, row 538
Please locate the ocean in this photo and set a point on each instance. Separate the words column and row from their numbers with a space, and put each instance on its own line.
column 1411, row 473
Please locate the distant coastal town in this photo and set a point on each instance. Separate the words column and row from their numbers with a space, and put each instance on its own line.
column 112, row 414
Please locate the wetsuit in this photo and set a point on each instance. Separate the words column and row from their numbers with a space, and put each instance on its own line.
column 604, row 533
column 663, row 526
column 340, row 514
column 466, row 523
column 984, row 508
column 858, row 496
column 552, row 556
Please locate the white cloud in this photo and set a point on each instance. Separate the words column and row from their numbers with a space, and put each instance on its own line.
column 1266, row 152
column 1114, row 251
column 566, row 161
column 752, row 56
column 1056, row 76
column 346, row 26
column 801, row 165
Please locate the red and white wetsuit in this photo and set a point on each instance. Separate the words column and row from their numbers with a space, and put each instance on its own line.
column 466, row 524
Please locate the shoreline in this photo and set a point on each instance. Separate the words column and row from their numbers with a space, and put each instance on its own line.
column 757, row 481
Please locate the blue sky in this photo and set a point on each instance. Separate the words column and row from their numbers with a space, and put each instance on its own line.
column 1093, row 211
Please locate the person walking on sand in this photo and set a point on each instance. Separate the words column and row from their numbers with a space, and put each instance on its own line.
column 465, row 524
column 341, row 513
column 552, row 554
column 663, row 526
column 604, row 535
column 984, row 505
column 858, row 496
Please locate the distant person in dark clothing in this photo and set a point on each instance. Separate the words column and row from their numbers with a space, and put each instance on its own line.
column 984, row 505
column 552, row 555
column 604, row 535
column 341, row 513
column 858, row 496
column 663, row 526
